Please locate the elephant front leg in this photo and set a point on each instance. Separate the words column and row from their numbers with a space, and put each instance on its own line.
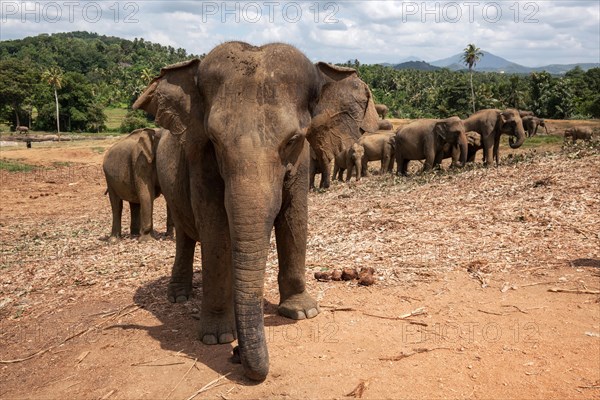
column 291, row 234
column 134, row 226
column 217, row 318
column 180, row 287
column 146, row 205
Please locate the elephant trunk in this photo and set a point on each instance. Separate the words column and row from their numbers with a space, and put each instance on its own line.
column 520, row 134
column 251, row 210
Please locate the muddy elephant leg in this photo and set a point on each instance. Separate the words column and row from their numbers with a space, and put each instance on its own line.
column 497, row 150
column 116, row 205
column 180, row 286
column 487, row 151
column 134, row 226
column 146, row 206
column 290, row 234
column 170, row 223
column 325, row 170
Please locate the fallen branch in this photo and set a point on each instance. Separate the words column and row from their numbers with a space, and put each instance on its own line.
column 491, row 312
column 359, row 390
column 73, row 336
column 412, row 353
column 182, row 378
column 208, row 386
column 576, row 291
column 418, row 311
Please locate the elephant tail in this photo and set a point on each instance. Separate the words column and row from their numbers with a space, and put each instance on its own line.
column 106, row 192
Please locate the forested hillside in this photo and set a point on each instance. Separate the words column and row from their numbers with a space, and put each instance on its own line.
column 91, row 73
column 94, row 71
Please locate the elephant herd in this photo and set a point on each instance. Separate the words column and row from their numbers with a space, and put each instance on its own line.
column 233, row 161
column 430, row 140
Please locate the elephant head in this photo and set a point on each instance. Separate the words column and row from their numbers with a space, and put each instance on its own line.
column 452, row 131
column 510, row 123
column 473, row 139
column 252, row 109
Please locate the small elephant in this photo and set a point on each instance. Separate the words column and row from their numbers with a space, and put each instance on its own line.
column 426, row 139
column 130, row 170
column 531, row 124
column 491, row 124
column 473, row 144
column 314, row 169
column 378, row 147
column 578, row 132
column 22, row 129
column 382, row 110
column 385, row 125
column 349, row 159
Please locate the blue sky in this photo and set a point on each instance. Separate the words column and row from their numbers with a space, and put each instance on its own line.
column 531, row 33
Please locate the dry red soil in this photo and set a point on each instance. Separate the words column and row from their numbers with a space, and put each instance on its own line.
column 487, row 286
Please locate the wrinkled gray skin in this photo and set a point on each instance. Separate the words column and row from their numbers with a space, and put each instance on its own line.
column 382, row 110
column 426, row 139
column 378, row 147
column 349, row 159
column 531, row 124
column 578, row 132
column 130, row 171
column 22, row 129
column 491, row 124
column 314, row 169
column 385, row 125
column 235, row 165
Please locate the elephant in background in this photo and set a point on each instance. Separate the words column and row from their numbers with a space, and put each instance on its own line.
column 578, row 132
column 531, row 124
column 473, row 144
column 314, row 169
column 427, row 139
column 22, row 129
column 384, row 125
column 130, row 171
column 491, row 124
column 525, row 113
column 378, row 147
column 348, row 160
column 235, row 165
column 382, row 110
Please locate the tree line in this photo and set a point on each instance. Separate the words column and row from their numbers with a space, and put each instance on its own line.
column 88, row 71
column 84, row 73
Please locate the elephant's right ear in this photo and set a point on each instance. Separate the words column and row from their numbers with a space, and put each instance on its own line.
column 173, row 97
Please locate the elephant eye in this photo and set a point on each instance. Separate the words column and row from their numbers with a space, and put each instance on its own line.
column 293, row 140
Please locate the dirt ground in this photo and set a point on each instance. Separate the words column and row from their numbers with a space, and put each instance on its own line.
column 487, row 286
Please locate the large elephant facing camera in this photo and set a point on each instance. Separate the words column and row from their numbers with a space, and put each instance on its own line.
column 130, row 170
column 428, row 139
column 235, row 165
column 491, row 124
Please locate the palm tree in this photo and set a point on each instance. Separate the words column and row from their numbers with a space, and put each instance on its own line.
column 54, row 76
column 471, row 55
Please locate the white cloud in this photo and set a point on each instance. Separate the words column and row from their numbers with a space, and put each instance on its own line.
column 372, row 31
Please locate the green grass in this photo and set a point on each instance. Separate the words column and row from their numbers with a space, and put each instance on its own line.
column 98, row 149
column 114, row 117
column 538, row 141
column 15, row 166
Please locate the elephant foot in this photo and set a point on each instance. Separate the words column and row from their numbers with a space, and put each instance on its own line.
column 147, row 237
column 179, row 292
column 113, row 239
column 299, row 306
column 217, row 328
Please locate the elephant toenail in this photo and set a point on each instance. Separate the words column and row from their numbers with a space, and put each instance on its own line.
column 226, row 338
column 312, row 313
column 181, row 299
column 209, row 339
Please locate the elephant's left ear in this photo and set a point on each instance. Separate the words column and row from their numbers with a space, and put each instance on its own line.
column 344, row 110
column 440, row 130
column 173, row 97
